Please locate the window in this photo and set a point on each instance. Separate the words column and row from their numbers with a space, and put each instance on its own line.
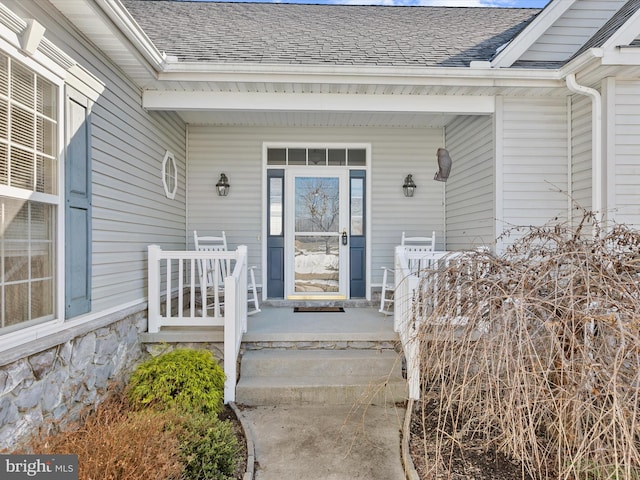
column 352, row 157
column 169, row 175
column 28, row 195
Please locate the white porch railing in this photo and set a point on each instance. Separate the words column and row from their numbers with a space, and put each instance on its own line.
column 408, row 265
column 174, row 295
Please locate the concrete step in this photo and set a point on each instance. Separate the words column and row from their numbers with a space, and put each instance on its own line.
column 335, row 377
column 319, row 363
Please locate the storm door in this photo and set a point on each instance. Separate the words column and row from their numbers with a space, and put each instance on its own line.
column 317, row 239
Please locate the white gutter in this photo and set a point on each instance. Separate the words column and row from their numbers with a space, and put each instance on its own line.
column 121, row 17
column 596, row 142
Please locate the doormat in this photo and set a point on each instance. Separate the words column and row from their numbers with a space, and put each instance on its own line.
column 317, row 309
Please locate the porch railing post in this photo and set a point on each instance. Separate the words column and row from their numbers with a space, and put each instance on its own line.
column 230, row 327
column 153, row 271
column 235, row 318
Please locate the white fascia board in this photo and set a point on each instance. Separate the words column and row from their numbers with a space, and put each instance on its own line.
column 622, row 56
column 581, row 62
column 523, row 41
column 229, row 101
column 345, row 75
column 617, row 50
column 121, row 17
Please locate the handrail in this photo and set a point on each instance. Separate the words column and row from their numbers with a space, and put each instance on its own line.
column 235, row 321
column 407, row 281
column 173, row 281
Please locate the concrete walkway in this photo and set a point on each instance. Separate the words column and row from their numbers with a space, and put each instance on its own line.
column 333, row 442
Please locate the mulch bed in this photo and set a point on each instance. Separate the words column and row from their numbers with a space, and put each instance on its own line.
column 241, row 467
column 464, row 460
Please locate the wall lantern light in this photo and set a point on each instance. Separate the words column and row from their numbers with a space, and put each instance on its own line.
column 223, row 185
column 409, row 186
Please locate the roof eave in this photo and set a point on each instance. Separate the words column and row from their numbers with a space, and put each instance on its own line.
column 355, row 74
column 582, row 61
column 121, row 17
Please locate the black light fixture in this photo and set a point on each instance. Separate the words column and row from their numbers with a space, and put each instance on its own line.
column 409, row 186
column 223, row 185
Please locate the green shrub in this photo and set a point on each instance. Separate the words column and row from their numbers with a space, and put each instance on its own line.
column 184, row 379
column 209, row 448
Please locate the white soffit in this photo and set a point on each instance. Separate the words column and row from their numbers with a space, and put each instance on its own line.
column 316, row 119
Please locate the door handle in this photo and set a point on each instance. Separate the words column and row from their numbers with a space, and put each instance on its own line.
column 344, row 236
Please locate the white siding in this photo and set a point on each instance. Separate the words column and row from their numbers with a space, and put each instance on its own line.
column 470, row 195
column 581, row 155
column 627, row 153
column 579, row 23
column 237, row 152
column 130, row 209
column 534, row 162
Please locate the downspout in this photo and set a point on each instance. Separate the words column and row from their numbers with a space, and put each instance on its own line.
column 596, row 143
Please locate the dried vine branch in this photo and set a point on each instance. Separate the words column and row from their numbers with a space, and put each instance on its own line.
column 536, row 353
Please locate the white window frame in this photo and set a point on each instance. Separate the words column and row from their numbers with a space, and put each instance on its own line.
column 168, row 180
column 50, row 71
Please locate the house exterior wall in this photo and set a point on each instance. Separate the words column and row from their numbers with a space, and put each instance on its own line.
column 626, row 208
column 581, row 156
column 53, row 375
column 572, row 30
column 130, row 209
column 470, row 198
column 237, row 151
column 532, row 162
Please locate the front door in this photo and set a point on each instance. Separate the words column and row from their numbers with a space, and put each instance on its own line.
column 316, row 222
column 317, row 234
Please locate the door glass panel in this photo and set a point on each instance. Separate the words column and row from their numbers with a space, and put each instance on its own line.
column 337, row 157
column 275, row 206
column 317, row 156
column 317, row 237
column 316, row 263
column 357, row 157
column 357, row 204
column 297, row 156
column 277, row 156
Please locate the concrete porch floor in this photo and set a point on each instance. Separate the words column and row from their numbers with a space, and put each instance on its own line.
column 279, row 323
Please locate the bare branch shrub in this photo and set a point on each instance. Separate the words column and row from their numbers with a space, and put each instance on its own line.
column 114, row 443
column 536, row 353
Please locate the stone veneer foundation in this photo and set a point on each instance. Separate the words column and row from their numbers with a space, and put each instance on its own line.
column 54, row 378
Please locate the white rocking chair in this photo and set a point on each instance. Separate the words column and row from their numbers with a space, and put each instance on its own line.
column 212, row 274
column 413, row 244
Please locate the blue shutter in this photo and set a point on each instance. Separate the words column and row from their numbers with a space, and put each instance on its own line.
column 78, row 209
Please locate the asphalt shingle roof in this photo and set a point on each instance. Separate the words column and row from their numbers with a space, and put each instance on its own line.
column 276, row 33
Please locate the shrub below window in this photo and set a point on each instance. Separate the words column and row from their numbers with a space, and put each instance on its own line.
column 184, row 379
